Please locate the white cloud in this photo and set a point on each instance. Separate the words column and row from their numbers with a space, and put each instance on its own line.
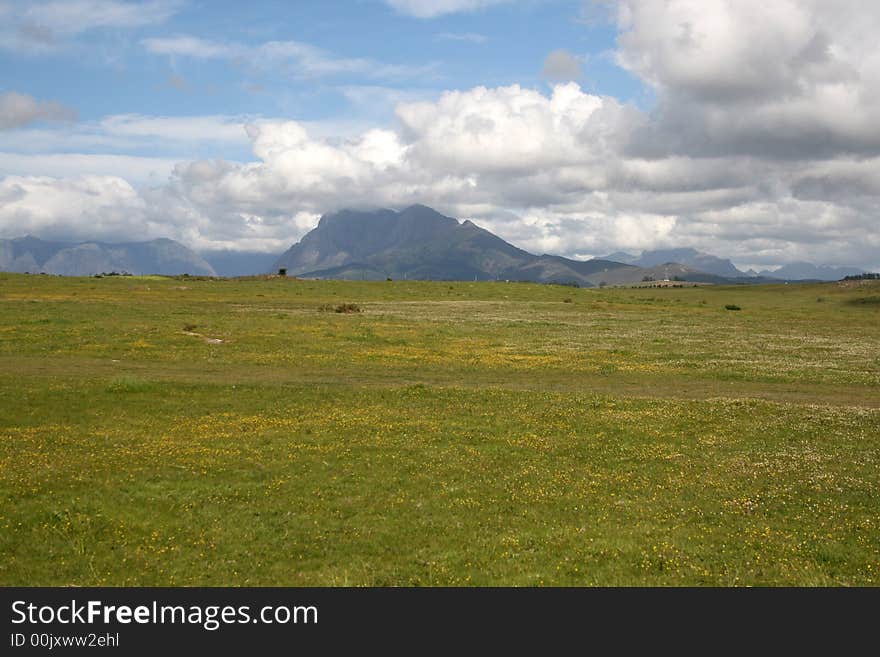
column 190, row 46
column 180, row 128
column 511, row 129
column 294, row 57
column 110, row 146
column 17, row 110
column 469, row 37
column 789, row 79
column 83, row 207
column 62, row 165
column 47, row 26
column 378, row 101
column 435, row 8
column 132, row 132
column 74, row 16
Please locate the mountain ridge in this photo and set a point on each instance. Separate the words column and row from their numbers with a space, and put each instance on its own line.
column 159, row 256
column 414, row 243
column 420, row 243
column 808, row 271
column 689, row 257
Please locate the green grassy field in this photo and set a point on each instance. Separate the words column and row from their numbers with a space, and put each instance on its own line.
column 158, row 431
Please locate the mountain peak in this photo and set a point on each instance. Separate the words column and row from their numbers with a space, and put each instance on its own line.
column 417, row 242
column 418, row 207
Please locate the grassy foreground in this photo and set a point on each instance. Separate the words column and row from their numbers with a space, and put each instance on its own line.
column 207, row 432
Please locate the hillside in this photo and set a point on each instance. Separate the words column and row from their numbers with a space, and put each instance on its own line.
column 160, row 256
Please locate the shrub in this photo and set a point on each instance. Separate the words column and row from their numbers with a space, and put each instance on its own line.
column 341, row 308
column 873, row 300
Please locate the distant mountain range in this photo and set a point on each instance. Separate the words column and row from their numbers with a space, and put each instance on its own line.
column 239, row 263
column 720, row 267
column 808, row 271
column 161, row 256
column 417, row 243
column 688, row 257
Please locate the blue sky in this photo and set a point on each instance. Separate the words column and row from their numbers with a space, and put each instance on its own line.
column 577, row 127
column 112, row 70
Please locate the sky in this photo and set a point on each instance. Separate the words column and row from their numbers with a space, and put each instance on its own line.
column 744, row 128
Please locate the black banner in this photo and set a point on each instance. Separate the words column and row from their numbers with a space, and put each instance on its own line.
column 147, row 620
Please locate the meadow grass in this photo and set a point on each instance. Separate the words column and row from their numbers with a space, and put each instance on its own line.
column 159, row 431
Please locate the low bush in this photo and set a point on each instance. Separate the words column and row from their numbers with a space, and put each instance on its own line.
column 341, row 308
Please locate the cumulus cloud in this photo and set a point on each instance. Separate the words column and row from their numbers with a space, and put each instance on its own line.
column 17, row 110
column 82, row 207
column 790, row 79
column 562, row 66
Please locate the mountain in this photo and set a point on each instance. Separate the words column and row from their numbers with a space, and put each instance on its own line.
column 800, row 271
column 622, row 256
column 240, row 263
column 670, row 271
column 421, row 243
column 550, row 268
column 161, row 256
column 690, row 258
column 416, row 243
